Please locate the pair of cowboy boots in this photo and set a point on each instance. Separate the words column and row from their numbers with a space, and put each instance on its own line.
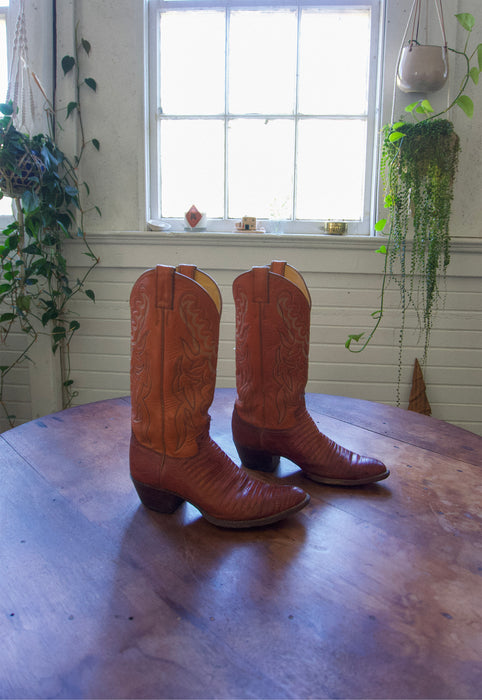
column 175, row 315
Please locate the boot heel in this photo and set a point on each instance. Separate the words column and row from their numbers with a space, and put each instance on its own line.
column 156, row 499
column 259, row 460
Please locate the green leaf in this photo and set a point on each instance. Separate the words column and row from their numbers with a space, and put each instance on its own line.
column 86, row 45
column 91, row 83
column 397, row 125
column 58, row 333
column 425, row 106
column 96, row 145
column 23, row 303
column 98, row 210
column 380, row 225
column 68, row 382
column 376, row 314
column 388, row 201
column 30, row 201
column 474, row 74
column 466, row 104
column 90, row 294
column 411, row 107
column 74, row 326
column 7, row 317
column 4, row 288
column 353, row 338
column 466, row 20
column 382, row 250
column 6, row 108
column 68, row 62
column 395, row 136
column 70, row 108
column 479, row 56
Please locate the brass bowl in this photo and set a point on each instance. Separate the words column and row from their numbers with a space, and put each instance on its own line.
column 336, row 228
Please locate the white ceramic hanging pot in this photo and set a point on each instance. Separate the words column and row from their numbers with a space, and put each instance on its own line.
column 422, row 68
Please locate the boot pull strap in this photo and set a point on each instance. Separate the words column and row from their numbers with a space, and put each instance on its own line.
column 164, row 286
column 187, row 270
column 278, row 267
column 260, row 284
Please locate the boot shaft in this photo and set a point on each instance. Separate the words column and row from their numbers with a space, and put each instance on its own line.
column 174, row 342
column 272, row 345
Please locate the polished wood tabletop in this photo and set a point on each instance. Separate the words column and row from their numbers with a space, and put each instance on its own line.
column 369, row 592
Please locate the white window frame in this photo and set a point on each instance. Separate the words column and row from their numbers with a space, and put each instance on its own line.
column 152, row 72
column 5, row 13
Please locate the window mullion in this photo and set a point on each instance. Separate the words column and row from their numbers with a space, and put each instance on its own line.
column 295, row 159
column 226, row 102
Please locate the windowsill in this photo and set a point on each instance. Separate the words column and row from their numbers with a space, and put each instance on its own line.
column 283, row 240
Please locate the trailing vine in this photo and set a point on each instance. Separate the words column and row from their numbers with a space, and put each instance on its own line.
column 418, row 166
column 50, row 206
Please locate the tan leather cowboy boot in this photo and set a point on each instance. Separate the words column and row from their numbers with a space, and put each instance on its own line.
column 270, row 418
column 175, row 328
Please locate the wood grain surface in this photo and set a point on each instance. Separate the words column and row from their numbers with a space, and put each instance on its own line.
column 372, row 592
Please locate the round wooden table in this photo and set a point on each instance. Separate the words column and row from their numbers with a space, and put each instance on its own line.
column 370, row 592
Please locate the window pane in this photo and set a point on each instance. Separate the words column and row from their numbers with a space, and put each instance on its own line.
column 260, row 167
column 192, row 167
column 6, row 202
column 334, row 59
column 262, row 62
column 192, row 62
column 331, row 169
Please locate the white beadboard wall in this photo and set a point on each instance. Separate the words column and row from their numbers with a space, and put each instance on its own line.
column 343, row 274
column 343, row 277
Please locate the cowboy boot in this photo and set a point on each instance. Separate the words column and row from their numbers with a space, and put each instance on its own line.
column 270, row 419
column 175, row 329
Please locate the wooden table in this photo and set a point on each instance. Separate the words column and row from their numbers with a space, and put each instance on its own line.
column 372, row 592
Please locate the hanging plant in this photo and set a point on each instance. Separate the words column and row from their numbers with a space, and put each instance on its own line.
column 35, row 288
column 418, row 165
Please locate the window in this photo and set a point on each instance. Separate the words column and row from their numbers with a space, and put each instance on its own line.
column 267, row 110
column 5, row 203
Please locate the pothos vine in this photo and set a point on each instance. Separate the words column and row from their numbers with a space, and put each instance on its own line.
column 50, row 204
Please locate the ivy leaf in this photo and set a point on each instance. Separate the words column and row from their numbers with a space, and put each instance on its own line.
column 96, row 144
column 424, row 107
column 382, row 250
column 466, row 20
column 466, row 104
column 91, row 83
column 30, row 201
column 68, row 62
column 6, row 109
column 7, row 317
column 74, row 326
column 70, row 108
column 479, row 55
column 86, row 45
column 411, row 107
column 353, row 338
column 23, row 303
column 397, row 125
column 474, row 74
column 380, row 225
column 388, row 201
column 90, row 294
column 395, row 136
column 376, row 314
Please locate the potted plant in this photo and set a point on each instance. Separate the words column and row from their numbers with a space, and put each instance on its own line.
column 35, row 288
column 418, row 166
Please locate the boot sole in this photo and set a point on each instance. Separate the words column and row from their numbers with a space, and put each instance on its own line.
column 347, row 482
column 262, row 461
column 168, row 502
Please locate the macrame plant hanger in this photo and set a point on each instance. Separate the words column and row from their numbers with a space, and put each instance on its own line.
column 20, row 79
